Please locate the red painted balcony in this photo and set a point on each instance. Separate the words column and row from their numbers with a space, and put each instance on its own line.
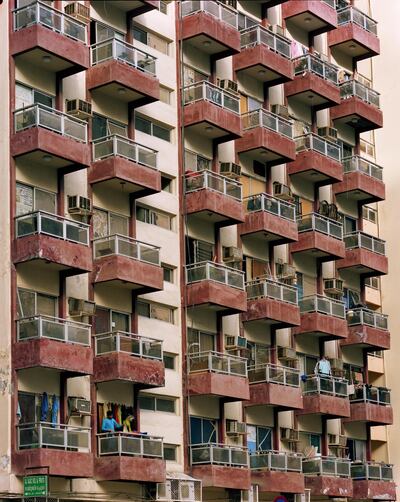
column 220, row 466
column 355, row 36
column 266, row 138
column 49, row 39
column 273, row 385
column 47, row 239
column 215, row 286
column 370, row 405
column 362, row 181
column 136, row 7
column 367, row 329
column 328, row 476
column 269, row 219
column 45, row 135
column 315, row 82
column 365, row 255
column 325, row 395
column 211, row 112
column 53, row 449
column 128, row 357
column 118, row 160
column 359, row 107
column 210, row 27
column 317, row 160
column 373, row 481
column 273, row 303
column 121, row 72
column 128, row 263
column 211, row 197
column 217, row 374
column 50, row 342
column 124, row 456
column 264, row 56
column 312, row 16
column 273, row 470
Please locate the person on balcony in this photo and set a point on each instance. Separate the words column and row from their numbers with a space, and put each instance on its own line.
column 323, row 367
column 109, row 424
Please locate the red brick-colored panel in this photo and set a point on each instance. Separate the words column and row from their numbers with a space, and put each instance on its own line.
column 316, row 8
column 261, row 222
column 372, row 190
column 217, row 476
column 356, row 106
column 311, row 241
column 373, row 263
column 229, row 210
column 278, row 482
column 378, row 339
column 352, row 33
column 365, row 489
column 272, row 394
column 230, row 387
column 369, row 412
column 115, row 468
column 226, row 298
column 329, row 326
column 321, row 404
column 69, row 464
column 329, row 486
column 282, row 313
column 208, row 113
column 313, row 83
column 310, row 160
column 261, row 137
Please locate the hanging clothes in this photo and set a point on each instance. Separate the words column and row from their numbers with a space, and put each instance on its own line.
column 44, row 408
column 54, row 410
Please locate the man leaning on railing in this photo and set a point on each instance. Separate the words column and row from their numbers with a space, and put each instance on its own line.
column 323, row 367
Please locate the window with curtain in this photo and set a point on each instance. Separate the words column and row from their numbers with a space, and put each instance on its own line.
column 357, row 449
column 32, row 303
column 106, row 223
column 156, row 311
column 200, row 341
column 203, row 430
column 107, row 320
column 191, row 75
column 198, row 251
column 30, row 199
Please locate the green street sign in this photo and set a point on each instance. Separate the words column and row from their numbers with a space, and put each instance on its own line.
column 36, row 486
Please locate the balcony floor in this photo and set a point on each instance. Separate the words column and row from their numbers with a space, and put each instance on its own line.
column 311, row 89
column 310, row 15
column 322, row 326
column 275, row 481
column 374, row 490
column 228, row 387
column 69, row 464
column 219, row 297
column 329, row 486
column 274, row 312
column 322, row 404
column 359, row 187
column 318, row 245
column 374, row 414
column 364, row 262
column 282, row 397
column 265, row 226
column 127, row 468
column 314, row 167
column 357, row 114
column 214, row 207
column 346, row 36
column 218, row 476
column 367, row 337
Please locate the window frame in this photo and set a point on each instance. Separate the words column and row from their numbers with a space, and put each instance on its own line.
column 151, row 216
column 34, row 199
column 110, row 318
column 150, row 34
column 109, row 215
column 155, row 399
column 155, row 305
column 171, row 269
column 212, row 421
column 36, row 294
column 152, row 126
column 32, row 91
column 173, row 447
column 172, row 357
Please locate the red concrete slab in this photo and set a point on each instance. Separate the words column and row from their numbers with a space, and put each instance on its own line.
column 230, row 387
column 283, row 397
column 273, row 311
column 126, row 468
column 218, row 476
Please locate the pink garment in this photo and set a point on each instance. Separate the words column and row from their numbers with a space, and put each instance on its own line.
column 296, row 49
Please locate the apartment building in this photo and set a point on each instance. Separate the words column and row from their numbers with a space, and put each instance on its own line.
column 190, row 210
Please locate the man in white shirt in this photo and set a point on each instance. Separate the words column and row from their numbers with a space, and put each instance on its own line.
column 323, row 367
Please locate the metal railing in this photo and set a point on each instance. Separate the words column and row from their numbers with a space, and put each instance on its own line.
column 217, row 362
column 129, row 443
column 352, row 15
column 269, row 120
column 212, row 181
column 128, row 343
column 126, row 246
column 319, row 223
column 372, row 471
column 258, row 35
column 313, row 64
column 273, row 373
column 210, row 271
column 367, row 317
column 219, row 454
column 205, row 91
column 353, row 88
column 362, row 240
column 276, row 461
column 322, row 305
column 38, row 115
column 41, row 222
column 268, row 288
column 270, row 204
column 365, row 393
column 331, row 3
column 357, row 163
column 326, row 466
column 55, row 20
column 53, row 328
column 318, row 144
column 215, row 9
column 124, row 52
column 57, row 436
column 116, row 145
column 325, row 384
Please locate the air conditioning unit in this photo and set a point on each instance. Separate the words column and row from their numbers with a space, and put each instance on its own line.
column 235, row 428
column 78, row 108
column 333, row 286
column 79, row 406
column 186, row 491
column 78, row 307
column 78, row 11
column 79, row 205
column 285, row 271
column 249, row 495
column 282, row 191
column 291, row 435
column 303, row 497
column 337, row 440
column 336, row 364
column 230, row 169
column 281, row 110
column 328, row 133
column 233, row 254
column 228, row 85
column 235, row 342
column 287, row 353
column 277, row 29
column 164, row 491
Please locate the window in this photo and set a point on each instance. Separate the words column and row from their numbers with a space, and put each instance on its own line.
column 346, row 149
column 367, row 148
column 203, row 430
column 353, row 373
column 169, row 360
column 148, row 127
column 372, row 282
column 151, row 39
column 370, row 214
column 153, row 403
column 166, row 184
column 349, row 224
column 32, row 303
column 103, row 126
column 165, row 95
column 249, row 104
column 106, row 223
column 26, row 96
column 196, row 162
column 163, row 6
column 107, row 320
column 156, row 311
column 357, row 449
column 191, row 75
column 168, row 273
column 170, row 452
column 259, row 354
column 198, row 251
column 200, row 341
column 31, row 408
column 299, row 284
column 259, row 438
column 351, row 298
column 259, row 168
column 308, row 363
column 101, row 32
column 30, row 199
column 154, row 217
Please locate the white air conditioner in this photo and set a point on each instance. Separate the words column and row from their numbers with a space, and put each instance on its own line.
column 277, row 29
column 79, row 406
column 337, row 440
column 230, row 169
column 78, row 11
column 250, row 495
column 287, row 353
column 235, row 428
column 289, row 435
column 282, row 191
column 333, row 286
column 285, row 271
column 232, row 254
column 303, row 497
column 78, row 108
column 228, row 85
column 281, row 110
column 328, row 133
column 78, row 307
column 79, row 205
column 235, row 342
column 186, row 491
column 164, row 491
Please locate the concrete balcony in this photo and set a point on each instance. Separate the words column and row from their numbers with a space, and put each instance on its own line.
column 129, row 457
column 125, row 262
column 370, row 405
column 317, row 160
column 328, row 476
column 312, row 16
column 220, row 466
column 272, row 470
column 117, row 160
column 49, row 39
column 373, row 481
column 266, row 138
column 367, row 329
column 48, row 240
column 365, row 255
column 211, row 197
column 122, row 73
column 264, row 56
column 210, row 27
column 362, row 181
column 128, row 357
column 355, row 36
column 217, row 374
column 213, row 285
column 325, row 395
column 136, row 7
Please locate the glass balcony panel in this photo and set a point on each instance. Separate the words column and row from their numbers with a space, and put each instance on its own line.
column 343, row 468
column 328, row 467
column 53, row 437
column 51, row 226
column 78, row 440
column 326, row 385
column 312, row 466
column 27, row 225
column 220, row 455
column 201, row 455
column 387, row 472
column 54, row 330
column 239, row 457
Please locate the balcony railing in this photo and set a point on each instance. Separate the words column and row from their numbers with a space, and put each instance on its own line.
column 44, row 223
column 269, row 120
column 217, row 362
column 328, row 385
column 131, row 444
column 367, row 317
column 326, row 466
column 352, row 15
column 358, row 164
column 313, row 64
column 353, row 88
column 270, row 204
column 43, row 116
column 273, row 373
column 365, row 393
column 123, row 52
column 319, row 223
column 322, row 305
column 276, row 461
column 318, row 144
column 120, row 146
column 205, row 91
column 210, row 271
column 258, row 35
column 372, row 471
column 55, row 436
column 215, row 9
column 196, row 162
column 207, row 180
column 40, row 13
column 359, row 239
column 331, row 3
column 126, row 246
column 268, row 288
column 219, row 454
column 128, row 343
column 53, row 328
